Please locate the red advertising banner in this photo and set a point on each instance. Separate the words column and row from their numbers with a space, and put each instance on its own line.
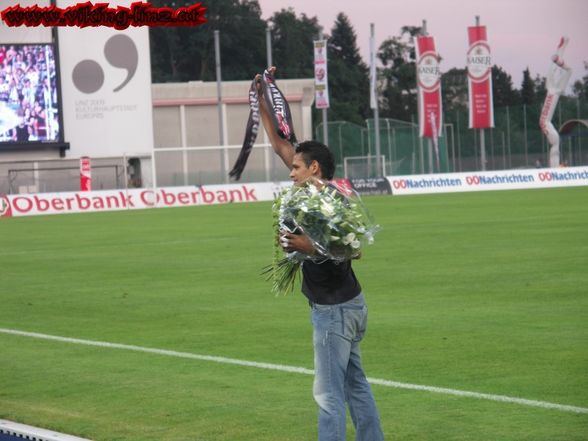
column 479, row 63
column 429, row 87
column 85, row 174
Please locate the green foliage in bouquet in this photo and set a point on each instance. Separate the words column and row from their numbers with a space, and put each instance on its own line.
column 335, row 220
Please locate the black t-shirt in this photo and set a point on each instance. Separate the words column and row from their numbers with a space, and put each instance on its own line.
column 329, row 283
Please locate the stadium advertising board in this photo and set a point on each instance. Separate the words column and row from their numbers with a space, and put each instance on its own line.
column 106, row 88
column 142, row 198
column 135, row 199
column 371, row 186
column 483, row 181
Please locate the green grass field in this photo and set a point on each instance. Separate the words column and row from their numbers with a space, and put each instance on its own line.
column 484, row 292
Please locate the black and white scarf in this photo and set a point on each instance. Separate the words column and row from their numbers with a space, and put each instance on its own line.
column 280, row 115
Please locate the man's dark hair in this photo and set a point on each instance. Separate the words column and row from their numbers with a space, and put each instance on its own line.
column 316, row 151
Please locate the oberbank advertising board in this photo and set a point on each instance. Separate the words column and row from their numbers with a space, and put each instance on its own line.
column 142, row 198
column 135, row 199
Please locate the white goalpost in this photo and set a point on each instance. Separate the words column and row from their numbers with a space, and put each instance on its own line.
column 364, row 166
column 173, row 166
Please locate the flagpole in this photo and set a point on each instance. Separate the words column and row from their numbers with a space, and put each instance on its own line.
column 325, row 121
column 221, row 121
column 374, row 97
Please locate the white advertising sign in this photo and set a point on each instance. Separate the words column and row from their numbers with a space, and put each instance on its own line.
column 106, row 89
column 136, row 199
column 482, row 181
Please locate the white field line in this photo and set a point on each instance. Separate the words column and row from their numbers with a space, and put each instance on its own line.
column 298, row 370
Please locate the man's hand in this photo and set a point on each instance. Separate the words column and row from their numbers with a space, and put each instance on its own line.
column 296, row 242
column 272, row 71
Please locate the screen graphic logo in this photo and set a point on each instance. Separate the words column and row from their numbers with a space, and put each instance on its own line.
column 120, row 51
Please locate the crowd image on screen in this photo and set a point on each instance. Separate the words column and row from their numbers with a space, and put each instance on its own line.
column 28, row 93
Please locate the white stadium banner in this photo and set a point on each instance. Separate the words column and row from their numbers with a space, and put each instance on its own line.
column 136, row 199
column 482, row 181
column 106, row 89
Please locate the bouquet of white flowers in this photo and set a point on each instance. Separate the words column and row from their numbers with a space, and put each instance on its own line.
column 334, row 219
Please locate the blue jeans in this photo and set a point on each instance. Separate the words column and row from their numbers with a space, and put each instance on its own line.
column 339, row 377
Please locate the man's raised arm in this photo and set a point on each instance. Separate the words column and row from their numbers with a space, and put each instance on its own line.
column 282, row 147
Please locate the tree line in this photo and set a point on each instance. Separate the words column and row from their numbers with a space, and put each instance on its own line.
column 181, row 54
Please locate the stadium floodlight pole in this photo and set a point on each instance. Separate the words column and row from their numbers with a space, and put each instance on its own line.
column 374, row 96
column 325, row 120
column 221, row 121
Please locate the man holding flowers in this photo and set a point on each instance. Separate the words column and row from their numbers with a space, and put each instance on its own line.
column 338, row 309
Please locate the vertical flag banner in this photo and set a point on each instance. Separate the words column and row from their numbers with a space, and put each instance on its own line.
column 556, row 83
column 321, row 84
column 429, row 86
column 479, row 63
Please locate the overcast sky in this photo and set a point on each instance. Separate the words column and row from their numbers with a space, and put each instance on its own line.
column 521, row 33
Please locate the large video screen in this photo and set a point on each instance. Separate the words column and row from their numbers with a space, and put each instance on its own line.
column 29, row 95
